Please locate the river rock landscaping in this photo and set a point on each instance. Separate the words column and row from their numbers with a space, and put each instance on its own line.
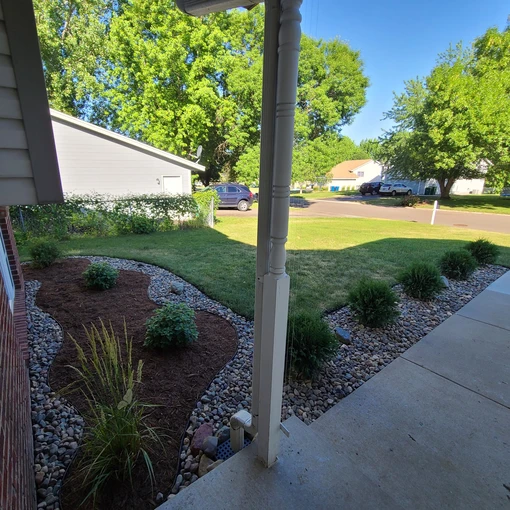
column 58, row 428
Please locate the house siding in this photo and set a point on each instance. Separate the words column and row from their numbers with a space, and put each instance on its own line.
column 91, row 163
column 16, row 187
column 17, row 486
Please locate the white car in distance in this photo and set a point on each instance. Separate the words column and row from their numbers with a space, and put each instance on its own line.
column 395, row 189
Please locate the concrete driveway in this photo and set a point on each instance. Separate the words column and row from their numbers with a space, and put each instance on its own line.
column 350, row 207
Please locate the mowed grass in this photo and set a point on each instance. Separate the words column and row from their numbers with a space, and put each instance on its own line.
column 467, row 203
column 326, row 255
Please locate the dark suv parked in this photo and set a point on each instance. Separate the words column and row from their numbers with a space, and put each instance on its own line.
column 234, row 195
column 372, row 188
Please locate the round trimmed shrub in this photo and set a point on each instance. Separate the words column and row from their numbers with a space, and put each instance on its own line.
column 458, row 264
column 421, row 280
column 44, row 253
column 100, row 276
column 483, row 251
column 310, row 343
column 373, row 303
column 173, row 325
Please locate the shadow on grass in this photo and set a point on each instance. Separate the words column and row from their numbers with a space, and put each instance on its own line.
column 224, row 268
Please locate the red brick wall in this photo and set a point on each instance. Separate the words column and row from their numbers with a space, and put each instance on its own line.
column 17, row 487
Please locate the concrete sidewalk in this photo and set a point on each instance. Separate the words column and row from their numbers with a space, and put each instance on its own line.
column 430, row 431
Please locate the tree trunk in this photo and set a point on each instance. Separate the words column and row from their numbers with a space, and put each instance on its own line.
column 445, row 186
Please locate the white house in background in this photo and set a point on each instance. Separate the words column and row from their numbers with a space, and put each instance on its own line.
column 354, row 173
column 94, row 159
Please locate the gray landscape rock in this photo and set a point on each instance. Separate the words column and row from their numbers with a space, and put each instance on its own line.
column 223, row 434
column 445, row 281
column 177, row 288
column 209, row 446
column 343, row 336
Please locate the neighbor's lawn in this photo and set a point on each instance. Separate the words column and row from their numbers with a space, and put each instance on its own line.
column 468, row 203
column 326, row 255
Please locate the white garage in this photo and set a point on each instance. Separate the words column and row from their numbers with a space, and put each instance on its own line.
column 94, row 159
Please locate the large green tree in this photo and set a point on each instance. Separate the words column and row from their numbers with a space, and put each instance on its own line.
column 72, row 35
column 447, row 123
column 178, row 82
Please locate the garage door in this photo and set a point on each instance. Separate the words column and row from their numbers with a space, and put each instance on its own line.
column 172, row 184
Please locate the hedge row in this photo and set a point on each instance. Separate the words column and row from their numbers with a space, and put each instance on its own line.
column 102, row 215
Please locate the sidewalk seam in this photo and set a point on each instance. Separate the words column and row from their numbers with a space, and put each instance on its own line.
column 454, row 382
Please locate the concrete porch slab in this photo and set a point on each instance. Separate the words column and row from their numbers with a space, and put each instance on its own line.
column 470, row 353
column 308, row 474
column 489, row 307
column 430, row 443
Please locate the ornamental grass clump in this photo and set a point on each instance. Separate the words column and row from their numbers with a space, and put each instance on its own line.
column 421, row 280
column 100, row 276
column 483, row 251
column 173, row 325
column 116, row 434
column 458, row 265
column 373, row 303
column 44, row 253
column 310, row 343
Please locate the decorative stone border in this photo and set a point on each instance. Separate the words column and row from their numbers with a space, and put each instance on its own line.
column 370, row 351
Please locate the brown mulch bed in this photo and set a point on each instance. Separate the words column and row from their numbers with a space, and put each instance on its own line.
column 173, row 380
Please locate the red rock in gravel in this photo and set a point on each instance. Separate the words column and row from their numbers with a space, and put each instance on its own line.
column 205, row 430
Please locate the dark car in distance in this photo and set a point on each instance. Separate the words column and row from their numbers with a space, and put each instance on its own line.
column 370, row 188
column 234, row 195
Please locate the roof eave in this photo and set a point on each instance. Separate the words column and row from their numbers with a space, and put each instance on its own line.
column 124, row 140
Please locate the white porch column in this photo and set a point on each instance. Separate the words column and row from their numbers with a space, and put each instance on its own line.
column 273, row 286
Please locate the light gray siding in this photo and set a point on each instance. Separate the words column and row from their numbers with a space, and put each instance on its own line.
column 89, row 162
column 16, row 180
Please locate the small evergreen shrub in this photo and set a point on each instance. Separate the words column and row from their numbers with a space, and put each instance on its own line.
column 310, row 343
column 421, row 280
column 458, row 265
column 44, row 253
column 100, row 275
column 373, row 303
column 483, row 251
column 173, row 325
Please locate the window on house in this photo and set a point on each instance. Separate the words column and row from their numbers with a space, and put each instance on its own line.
column 361, row 174
column 5, row 273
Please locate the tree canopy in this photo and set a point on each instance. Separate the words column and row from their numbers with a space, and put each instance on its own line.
column 446, row 124
column 144, row 69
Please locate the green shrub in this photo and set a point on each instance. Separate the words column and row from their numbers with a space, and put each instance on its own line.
column 458, row 265
column 410, row 201
column 44, row 253
column 142, row 225
column 100, row 275
column 373, row 303
column 483, row 251
column 173, row 325
column 116, row 435
column 310, row 343
column 421, row 280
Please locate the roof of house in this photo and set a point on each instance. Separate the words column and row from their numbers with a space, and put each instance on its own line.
column 29, row 171
column 346, row 169
column 124, row 140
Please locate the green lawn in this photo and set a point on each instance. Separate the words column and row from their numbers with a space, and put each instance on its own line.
column 468, row 203
column 326, row 255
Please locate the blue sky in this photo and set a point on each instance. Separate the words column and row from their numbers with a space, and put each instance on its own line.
column 398, row 40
